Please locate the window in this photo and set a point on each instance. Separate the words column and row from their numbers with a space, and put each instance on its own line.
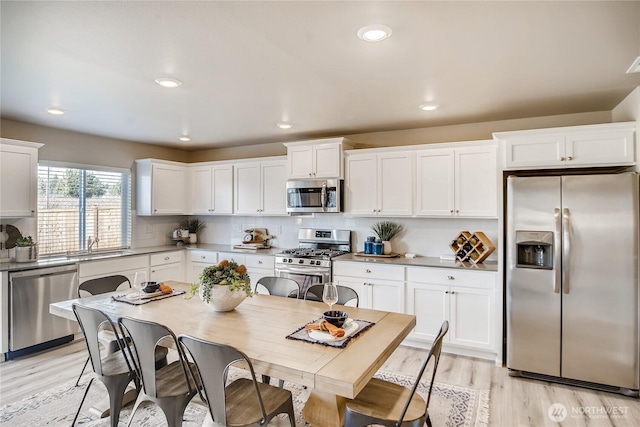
column 78, row 203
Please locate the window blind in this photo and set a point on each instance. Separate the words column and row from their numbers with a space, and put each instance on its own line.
column 75, row 204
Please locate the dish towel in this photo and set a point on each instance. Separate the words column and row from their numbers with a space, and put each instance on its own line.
column 303, row 335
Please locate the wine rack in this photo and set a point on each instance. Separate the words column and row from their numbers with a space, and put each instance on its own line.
column 471, row 247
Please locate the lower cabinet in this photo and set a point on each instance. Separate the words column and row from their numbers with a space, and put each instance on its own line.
column 259, row 266
column 166, row 266
column 465, row 298
column 198, row 261
column 380, row 287
column 126, row 266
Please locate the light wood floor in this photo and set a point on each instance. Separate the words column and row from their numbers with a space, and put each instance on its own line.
column 513, row 401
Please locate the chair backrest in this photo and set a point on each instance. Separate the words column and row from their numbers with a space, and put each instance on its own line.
column 346, row 295
column 436, row 349
column 146, row 336
column 279, row 286
column 91, row 320
column 213, row 361
column 102, row 285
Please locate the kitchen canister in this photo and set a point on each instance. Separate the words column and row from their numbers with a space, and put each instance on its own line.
column 368, row 245
column 378, row 247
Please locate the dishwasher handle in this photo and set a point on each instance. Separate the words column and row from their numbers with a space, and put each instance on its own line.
column 48, row 271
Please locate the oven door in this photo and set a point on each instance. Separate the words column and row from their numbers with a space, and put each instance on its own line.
column 305, row 276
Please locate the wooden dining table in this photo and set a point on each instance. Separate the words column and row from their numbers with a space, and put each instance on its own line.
column 259, row 327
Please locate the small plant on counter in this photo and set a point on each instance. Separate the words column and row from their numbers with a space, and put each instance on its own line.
column 25, row 242
column 386, row 230
column 226, row 273
column 193, row 225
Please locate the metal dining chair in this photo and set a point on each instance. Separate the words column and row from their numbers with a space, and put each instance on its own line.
column 115, row 370
column 172, row 386
column 98, row 286
column 243, row 402
column 346, row 295
column 279, row 286
column 380, row 401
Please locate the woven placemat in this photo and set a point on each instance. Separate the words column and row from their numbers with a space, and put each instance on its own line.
column 303, row 335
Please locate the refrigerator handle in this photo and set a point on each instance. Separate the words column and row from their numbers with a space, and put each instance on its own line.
column 566, row 249
column 557, row 259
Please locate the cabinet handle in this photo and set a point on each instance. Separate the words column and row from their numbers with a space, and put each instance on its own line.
column 203, row 257
column 153, row 271
column 452, row 292
column 167, row 258
column 569, row 158
column 457, row 211
column 451, row 211
column 562, row 159
column 310, row 174
column 446, row 292
column 367, row 270
column 259, row 262
column 450, row 278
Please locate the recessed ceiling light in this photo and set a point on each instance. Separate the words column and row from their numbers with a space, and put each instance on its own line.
column 184, row 138
column 168, row 82
column 635, row 67
column 429, row 107
column 284, row 125
column 374, row 33
column 55, row 110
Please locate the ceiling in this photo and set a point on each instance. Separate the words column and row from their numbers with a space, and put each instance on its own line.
column 246, row 66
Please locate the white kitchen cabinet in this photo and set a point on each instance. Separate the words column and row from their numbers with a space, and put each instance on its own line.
column 166, row 266
column 459, row 182
column 610, row 144
column 127, row 266
column 316, row 159
column 198, row 260
column 211, row 189
column 379, row 183
column 465, row 298
column 161, row 187
column 18, row 178
column 259, row 266
column 260, row 188
column 379, row 287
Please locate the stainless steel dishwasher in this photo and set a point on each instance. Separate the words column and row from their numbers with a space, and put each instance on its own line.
column 31, row 327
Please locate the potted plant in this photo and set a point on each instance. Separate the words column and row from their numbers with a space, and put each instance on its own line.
column 386, row 230
column 193, row 225
column 223, row 286
column 26, row 249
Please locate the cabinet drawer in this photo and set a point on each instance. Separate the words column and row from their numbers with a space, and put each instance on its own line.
column 260, row 261
column 368, row 270
column 240, row 258
column 452, row 277
column 112, row 266
column 165, row 258
column 209, row 257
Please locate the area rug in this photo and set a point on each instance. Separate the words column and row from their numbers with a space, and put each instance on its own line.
column 450, row 406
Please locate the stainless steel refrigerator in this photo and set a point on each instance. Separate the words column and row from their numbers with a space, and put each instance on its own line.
column 572, row 279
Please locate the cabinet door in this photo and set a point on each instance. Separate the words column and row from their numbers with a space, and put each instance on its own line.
column 472, row 317
column 274, row 189
column 160, row 273
column 395, row 184
column 18, row 181
column 435, row 182
column 357, row 285
column 385, row 295
column 361, row 185
column 168, row 189
column 534, row 152
column 430, row 304
column 476, row 182
column 327, row 161
column 201, row 190
column 222, row 198
column 247, row 189
column 600, row 149
column 300, row 162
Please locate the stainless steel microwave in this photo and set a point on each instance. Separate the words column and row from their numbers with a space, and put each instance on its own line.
column 314, row 195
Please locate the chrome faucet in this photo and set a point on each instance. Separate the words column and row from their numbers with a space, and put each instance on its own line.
column 90, row 242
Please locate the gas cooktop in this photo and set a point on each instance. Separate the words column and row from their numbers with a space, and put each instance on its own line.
column 311, row 253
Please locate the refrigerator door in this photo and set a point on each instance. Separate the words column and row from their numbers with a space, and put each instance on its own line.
column 600, row 288
column 533, row 294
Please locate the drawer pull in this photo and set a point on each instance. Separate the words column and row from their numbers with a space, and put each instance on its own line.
column 450, row 278
column 259, row 261
column 367, row 270
column 167, row 258
column 203, row 257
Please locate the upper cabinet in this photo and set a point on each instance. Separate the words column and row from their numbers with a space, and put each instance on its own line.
column 18, row 178
column 260, row 187
column 320, row 158
column 457, row 181
column 211, row 189
column 610, row 144
column 379, row 183
column 161, row 187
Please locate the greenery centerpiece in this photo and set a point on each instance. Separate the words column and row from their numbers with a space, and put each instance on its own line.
column 223, row 286
column 386, row 230
column 26, row 249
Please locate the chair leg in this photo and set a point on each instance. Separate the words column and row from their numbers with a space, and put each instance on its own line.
column 82, row 371
column 116, row 387
column 266, row 379
column 281, row 384
column 429, row 421
column 141, row 398
column 82, row 401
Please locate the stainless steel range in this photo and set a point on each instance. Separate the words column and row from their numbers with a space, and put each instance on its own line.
column 310, row 262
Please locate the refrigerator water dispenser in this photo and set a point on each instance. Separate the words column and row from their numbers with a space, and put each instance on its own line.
column 535, row 249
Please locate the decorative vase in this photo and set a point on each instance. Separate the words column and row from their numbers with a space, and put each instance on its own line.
column 222, row 298
column 193, row 238
column 26, row 253
column 386, row 245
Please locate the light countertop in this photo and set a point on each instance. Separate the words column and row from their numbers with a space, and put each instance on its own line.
column 419, row 261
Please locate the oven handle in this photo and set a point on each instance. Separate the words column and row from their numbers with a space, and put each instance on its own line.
column 323, row 196
column 302, row 270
